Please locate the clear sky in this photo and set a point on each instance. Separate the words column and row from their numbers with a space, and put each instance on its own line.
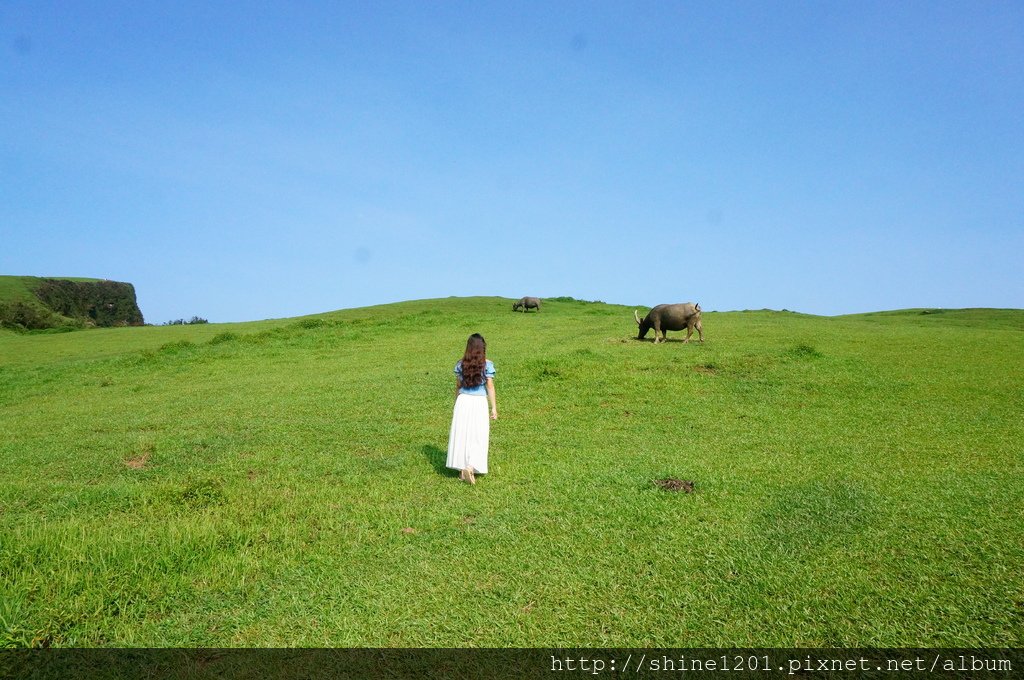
column 241, row 161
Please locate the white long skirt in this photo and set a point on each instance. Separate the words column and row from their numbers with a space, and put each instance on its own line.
column 470, row 434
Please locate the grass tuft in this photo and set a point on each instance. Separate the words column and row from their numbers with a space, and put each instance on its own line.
column 803, row 351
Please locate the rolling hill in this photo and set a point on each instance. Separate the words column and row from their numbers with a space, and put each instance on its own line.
column 857, row 482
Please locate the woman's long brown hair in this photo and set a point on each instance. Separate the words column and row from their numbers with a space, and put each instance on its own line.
column 473, row 361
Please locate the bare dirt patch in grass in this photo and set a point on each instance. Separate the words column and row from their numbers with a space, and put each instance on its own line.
column 673, row 484
column 137, row 462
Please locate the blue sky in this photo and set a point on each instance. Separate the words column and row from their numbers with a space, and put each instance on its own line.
column 242, row 161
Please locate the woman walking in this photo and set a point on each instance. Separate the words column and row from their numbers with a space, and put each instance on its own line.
column 470, row 433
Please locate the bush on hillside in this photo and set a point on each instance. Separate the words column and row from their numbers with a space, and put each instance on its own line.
column 21, row 316
column 182, row 322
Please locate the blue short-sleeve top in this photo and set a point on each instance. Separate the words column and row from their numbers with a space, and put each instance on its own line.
column 481, row 389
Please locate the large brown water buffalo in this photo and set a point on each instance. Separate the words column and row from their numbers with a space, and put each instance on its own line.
column 671, row 318
column 527, row 303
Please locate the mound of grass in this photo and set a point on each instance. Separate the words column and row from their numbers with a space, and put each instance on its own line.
column 855, row 482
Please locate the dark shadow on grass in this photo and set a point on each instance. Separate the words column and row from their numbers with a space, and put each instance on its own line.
column 437, row 458
column 808, row 517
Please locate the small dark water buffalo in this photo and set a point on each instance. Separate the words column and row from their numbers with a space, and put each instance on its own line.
column 527, row 303
column 671, row 318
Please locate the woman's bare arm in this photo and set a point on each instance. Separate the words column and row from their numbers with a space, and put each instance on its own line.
column 493, row 399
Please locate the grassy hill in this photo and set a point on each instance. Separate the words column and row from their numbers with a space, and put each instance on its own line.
column 19, row 288
column 858, row 482
column 66, row 303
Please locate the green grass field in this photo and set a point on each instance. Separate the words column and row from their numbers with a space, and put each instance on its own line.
column 859, row 482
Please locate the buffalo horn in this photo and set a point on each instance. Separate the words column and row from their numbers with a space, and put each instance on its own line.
column 637, row 317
